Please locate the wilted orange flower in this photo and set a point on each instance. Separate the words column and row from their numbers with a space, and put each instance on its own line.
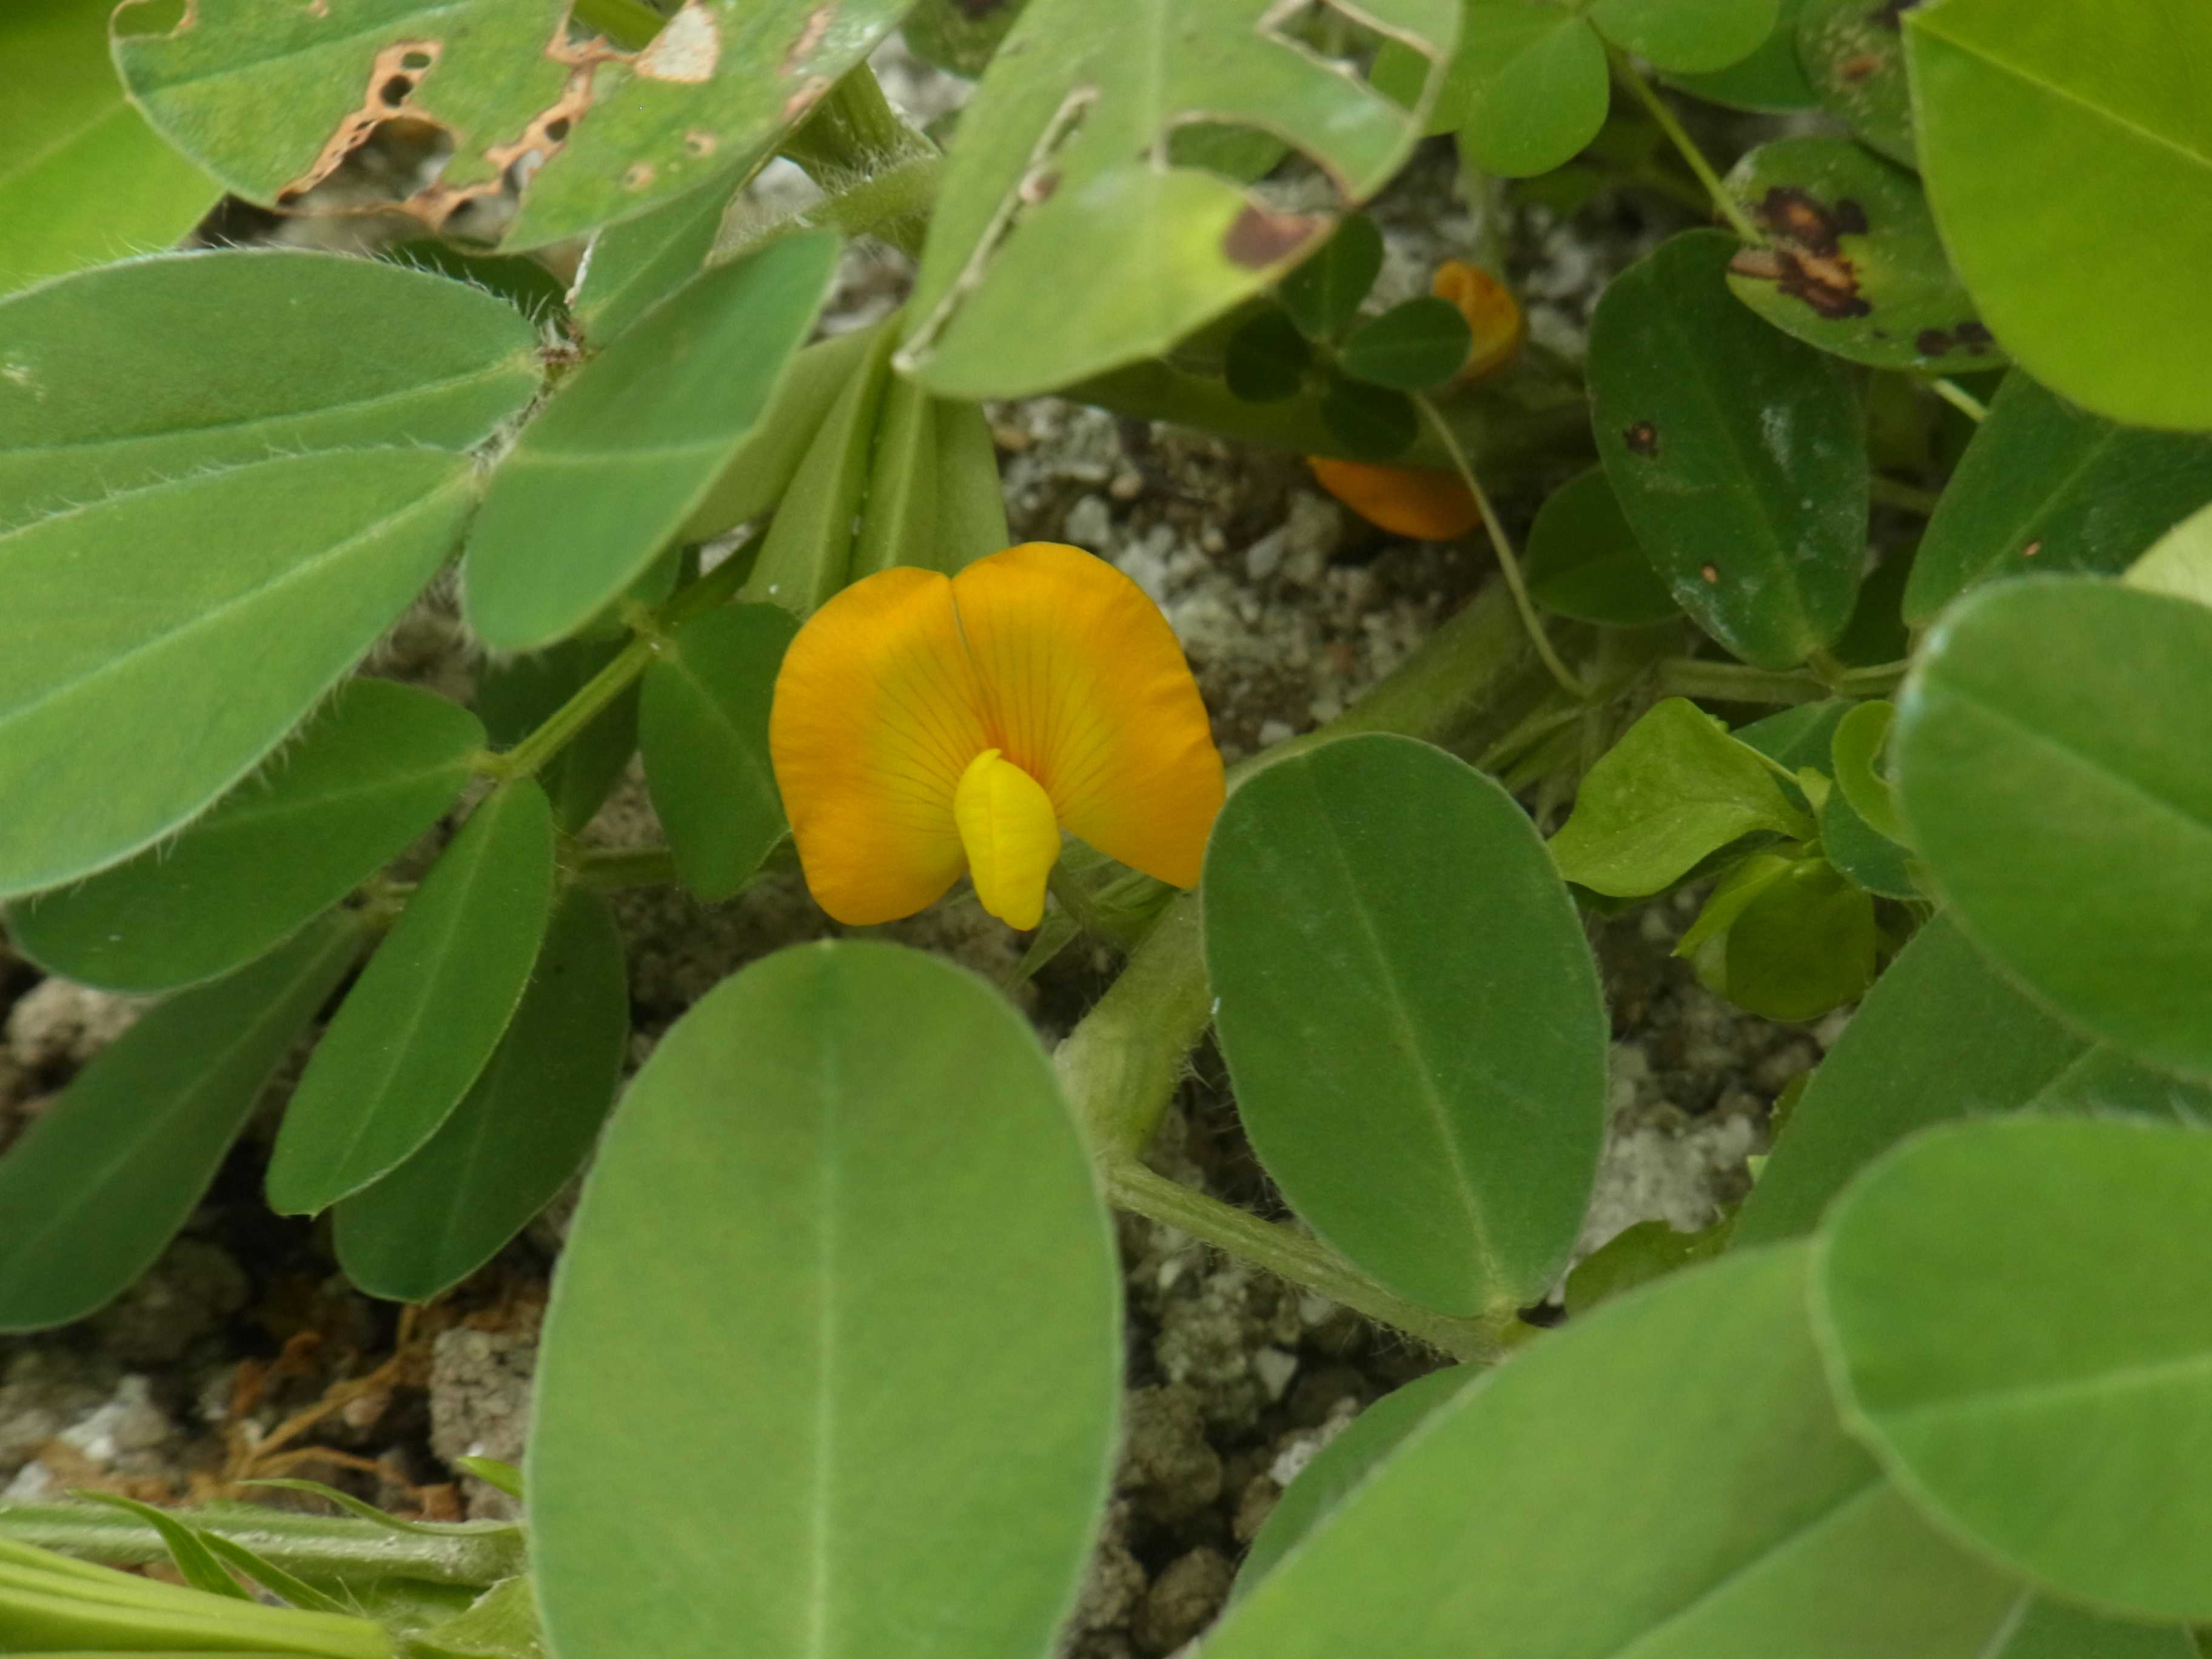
column 1493, row 317
column 925, row 725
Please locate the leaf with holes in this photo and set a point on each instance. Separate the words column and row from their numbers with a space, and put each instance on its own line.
column 630, row 446
column 1678, row 1448
column 1064, row 244
column 1686, row 36
column 82, row 178
column 127, row 707
column 2048, row 130
column 703, row 728
column 2049, row 754
column 1853, row 53
column 521, row 1134
column 592, row 133
column 427, row 1013
column 812, row 1211
column 106, row 1176
column 2047, row 488
column 1942, row 1036
column 368, row 774
column 1738, row 455
column 1852, row 264
column 1419, row 1058
column 1677, row 788
column 2075, row 1463
column 141, row 372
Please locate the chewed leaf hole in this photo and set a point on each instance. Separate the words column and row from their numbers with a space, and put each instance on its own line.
column 140, row 19
column 1335, row 36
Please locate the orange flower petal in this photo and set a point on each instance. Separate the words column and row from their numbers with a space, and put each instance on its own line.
column 877, row 713
column 1007, row 824
column 1088, row 692
column 1491, row 311
column 1428, row 506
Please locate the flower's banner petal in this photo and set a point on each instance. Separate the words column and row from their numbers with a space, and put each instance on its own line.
column 631, row 267
column 144, row 372
column 1942, row 1035
column 811, row 1213
column 270, row 97
column 129, row 704
column 1687, row 36
column 605, row 478
column 703, row 733
column 417, row 1028
column 105, row 1176
column 2042, row 1396
column 1772, row 79
column 1678, row 1448
column 521, row 1134
column 2045, row 127
column 1066, row 243
column 365, row 776
column 517, row 695
column 1853, row 55
column 82, row 178
column 2045, row 488
column 877, row 712
column 1411, row 1017
column 1086, row 689
column 1738, row 455
column 1852, row 264
column 2050, row 755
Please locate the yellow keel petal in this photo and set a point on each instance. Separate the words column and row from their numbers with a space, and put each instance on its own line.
column 1007, row 824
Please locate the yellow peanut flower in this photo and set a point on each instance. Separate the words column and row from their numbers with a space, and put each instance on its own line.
column 925, row 726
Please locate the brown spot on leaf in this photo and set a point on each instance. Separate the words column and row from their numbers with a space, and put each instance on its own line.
column 1931, row 343
column 685, row 51
column 1259, row 237
column 639, row 176
column 386, row 75
column 1642, row 439
column 2032, row 549
column 1807, row 261
column 1038, row 187
column 809, row 94
column 702, row 143
column 1712, row 574
column 1969, row 335
column 810, row 36
column 1863, row 66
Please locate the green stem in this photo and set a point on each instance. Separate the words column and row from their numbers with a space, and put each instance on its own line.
column 1959, row 399
column 878, row 176
column 1723, row 200
column 1728, row 682
column 1120, row 1064
column 313, row 1547
column 607, row 870
column 1508, row 562
column 1291, row 1255
column 1894, row 492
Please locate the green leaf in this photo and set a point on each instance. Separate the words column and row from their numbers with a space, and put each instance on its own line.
column 1338, row 1468
column 811, row 1213
column 971, row 499
column 2045, row 487
column 1853, row 54
column 2049, row 757
column 2039, row 1396
column 1324, row 294
column 1665, row 1479
column 1800, row 737
column 2181, row 561
column 755, row 478
column 270, row 98
column 1584, row 561
column 128, row 706
column 630, row 446
column 527, row 283
column 1860, row 737
column 1871, row 860
column 428, row 1010
column 934, row 498
column 518, row 1136
column 1687, row 36
column 2053, row 1632
column 368, row 775
column 959, row 35
column 1418, row 1056
column 1061, row 247
column 1635, row 1256
column 807, row 554
column 1805, row 943
column 104, row 1176
column 633, row 266
column 196, row 1563
column 1738, row 455
column 500, row 1476
column 1772, row 78
column 516, row 697
column 271, row 1576
column 2045, row 127
column 81, row 177
column 1675, row 788
column 704, row 732
column 1853, row 265
column 1942, row 1035
column 1368, row 423
column 1266, row 360
column 361, row 1510
column 1533, row 84
column 503, row 1623
column 1412, row 346
column 145, row 372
